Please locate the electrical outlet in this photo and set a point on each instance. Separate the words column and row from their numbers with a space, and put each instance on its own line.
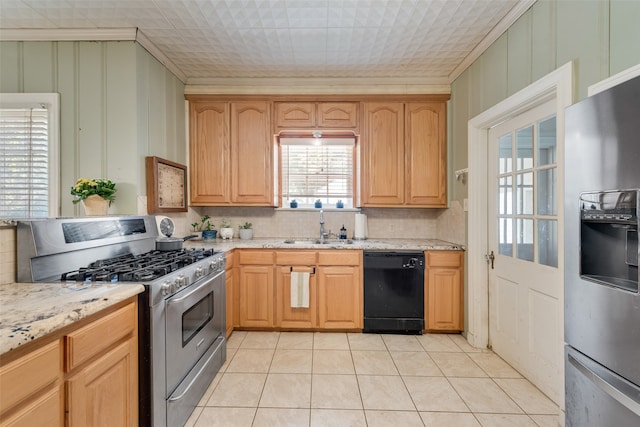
column 392, row 227
column 465, row 205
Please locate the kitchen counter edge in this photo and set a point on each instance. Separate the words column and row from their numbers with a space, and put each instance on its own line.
column 29, row 311
column 307, row 243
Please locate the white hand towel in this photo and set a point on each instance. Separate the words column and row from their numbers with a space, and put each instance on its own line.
column 299, row 289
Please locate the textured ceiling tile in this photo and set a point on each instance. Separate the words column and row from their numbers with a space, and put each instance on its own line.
column 285, row 38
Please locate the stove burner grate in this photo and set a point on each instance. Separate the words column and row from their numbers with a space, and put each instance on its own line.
column 139, row 268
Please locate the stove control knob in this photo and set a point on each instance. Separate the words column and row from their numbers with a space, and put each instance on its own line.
column 165, row 288
column 213, row 266
column 199, row 271
column 181, row 282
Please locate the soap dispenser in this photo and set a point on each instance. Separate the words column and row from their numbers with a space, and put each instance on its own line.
column 343, row 232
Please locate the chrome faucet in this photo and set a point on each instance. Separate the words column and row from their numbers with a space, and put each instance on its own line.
column 322, row 233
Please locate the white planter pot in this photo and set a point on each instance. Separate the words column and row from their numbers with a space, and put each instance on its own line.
column 246, row 233
column 226, row 233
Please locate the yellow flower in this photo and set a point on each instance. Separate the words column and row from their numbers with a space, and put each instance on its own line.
column 85, row 187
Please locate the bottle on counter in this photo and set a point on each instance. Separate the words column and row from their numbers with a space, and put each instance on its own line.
column 343, row 232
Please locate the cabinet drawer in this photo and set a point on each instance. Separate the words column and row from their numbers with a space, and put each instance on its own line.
column 296, row 258
column 95, row 338
column 341, row 257
column 25, row 376
column 255, row 257
column 444, row 258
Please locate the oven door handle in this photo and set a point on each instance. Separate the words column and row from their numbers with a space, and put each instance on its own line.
column 196, row 290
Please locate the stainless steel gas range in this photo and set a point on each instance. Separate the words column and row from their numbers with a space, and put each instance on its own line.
column 181, row 313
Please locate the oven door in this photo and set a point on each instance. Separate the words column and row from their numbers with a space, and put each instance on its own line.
column 195, row 317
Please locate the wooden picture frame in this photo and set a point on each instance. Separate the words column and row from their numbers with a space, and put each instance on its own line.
column 166, row 186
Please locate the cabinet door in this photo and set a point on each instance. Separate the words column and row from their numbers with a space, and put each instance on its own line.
column 256, row 296
column 426, row 154
column 295, row 317
column 33, row 384
column 106, row 389
column 340, row 115
column 295, row 115
column 383, row 154
column 444, row 293
column 340, row 297
column 209, row 154
column 251, row 154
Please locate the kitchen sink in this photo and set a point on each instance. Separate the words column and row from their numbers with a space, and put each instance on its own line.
column 318, row 242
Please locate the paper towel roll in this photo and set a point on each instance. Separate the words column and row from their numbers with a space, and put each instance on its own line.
column 360, row 229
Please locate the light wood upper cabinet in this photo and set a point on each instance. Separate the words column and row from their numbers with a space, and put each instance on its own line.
column 338, row 115
column 230, row 153
column 294, row 115
column 251, row 154
column 209, row 153
column 444, row 291
column 426, row 154
column 383, row 154
column 317, row 115
column 404, row 155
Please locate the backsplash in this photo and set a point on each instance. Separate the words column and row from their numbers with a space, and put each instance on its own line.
column 443, row 224
column 382, row 223
column 7, row 254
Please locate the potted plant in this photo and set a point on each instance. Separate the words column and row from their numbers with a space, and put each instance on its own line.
column 209, row 231
column 339, row 204
column 318, row 203
column 226, row 232
column 195, row 229
column 245, row 232
column 293, row 203
column 96, row 195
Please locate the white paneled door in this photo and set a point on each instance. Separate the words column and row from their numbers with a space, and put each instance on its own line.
column 525, row 243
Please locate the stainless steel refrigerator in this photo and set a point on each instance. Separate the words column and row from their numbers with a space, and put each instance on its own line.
column 602, row 304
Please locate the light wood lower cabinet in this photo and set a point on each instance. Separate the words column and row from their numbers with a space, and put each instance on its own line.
column 340, row 297
column 444, row 291
column 230, row 293
column 335, row 289
column 256, row 288
column 31, row 389
column 101, row 360
column 89, row 373
column 295, row 317
column 105, row 389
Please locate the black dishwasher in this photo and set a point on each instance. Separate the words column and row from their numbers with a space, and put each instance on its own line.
column 394, row 292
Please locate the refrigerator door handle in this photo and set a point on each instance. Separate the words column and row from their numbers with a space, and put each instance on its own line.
column 606, row 386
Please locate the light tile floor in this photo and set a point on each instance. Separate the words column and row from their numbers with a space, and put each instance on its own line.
column 278, row 379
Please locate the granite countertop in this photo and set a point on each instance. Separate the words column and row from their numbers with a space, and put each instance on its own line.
column 308, row 243
column 33, row 310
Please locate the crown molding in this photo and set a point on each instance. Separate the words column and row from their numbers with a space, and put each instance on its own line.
column 509, row 19
column 317, row 86
column 67, row 34
column 160, row 56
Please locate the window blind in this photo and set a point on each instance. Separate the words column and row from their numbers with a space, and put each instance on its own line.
column 324, row 172
column 24, row 162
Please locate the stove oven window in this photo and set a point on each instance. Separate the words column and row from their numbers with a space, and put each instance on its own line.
column 196, row 318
